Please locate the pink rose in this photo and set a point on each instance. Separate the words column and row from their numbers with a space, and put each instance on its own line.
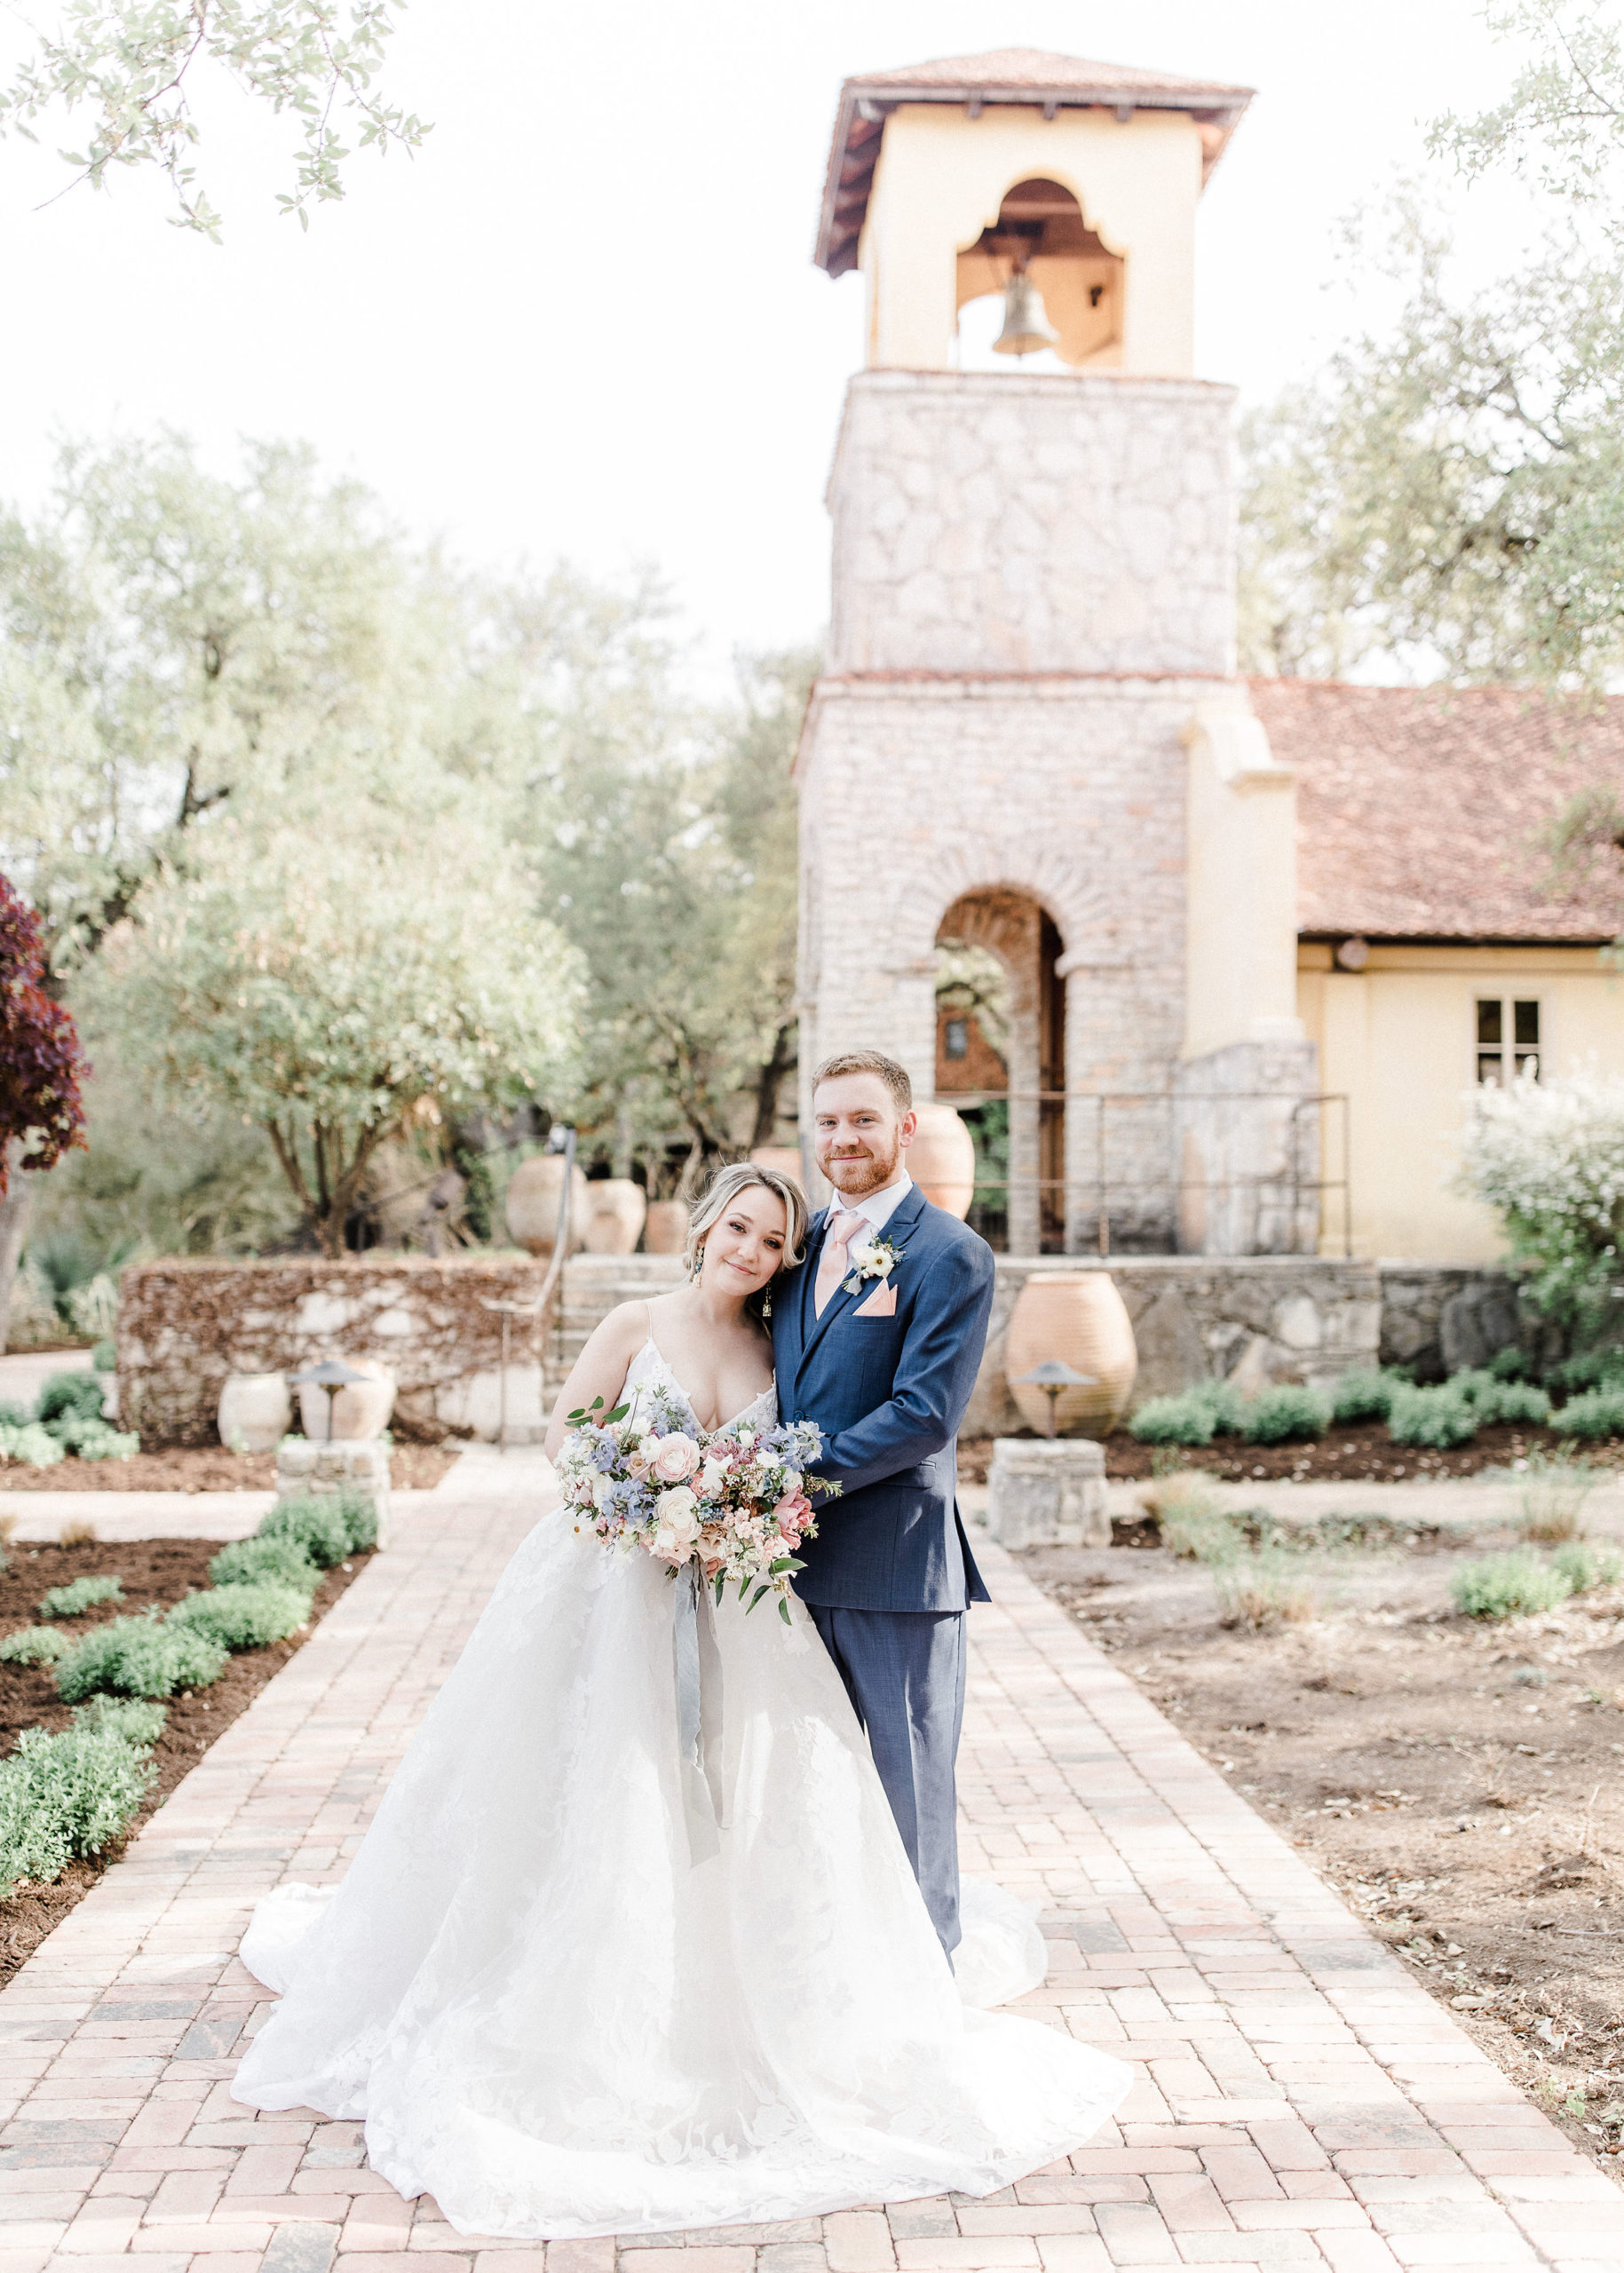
column 792, row 1511
column 676, row 1459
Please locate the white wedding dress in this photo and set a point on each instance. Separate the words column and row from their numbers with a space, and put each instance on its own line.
column 557, row 2024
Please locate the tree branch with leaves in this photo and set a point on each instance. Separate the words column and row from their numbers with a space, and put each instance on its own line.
column 129, row 65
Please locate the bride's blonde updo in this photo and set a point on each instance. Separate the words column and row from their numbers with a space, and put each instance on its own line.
column 719, row 1195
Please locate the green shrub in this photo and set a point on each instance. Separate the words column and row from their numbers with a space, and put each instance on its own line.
column 1184, row 1420
column 33, row 1445
column 1509, row 1364
column 77, row 1392
column 1190, row 1519
column 34, row 1645
column 96, row 1440
column 1515, row 1401
column 1585, row 1567
column 66, row 1795
column 1602, row 1368
column 1512, row 1585
column 1287, row 1415
column 243, row 1617
column 103, row 1356
column 1597, row 1412
column 359, row 1510
column 138, row 1656
column 15, row 1416
column 130, row 1717
column 1434, row 1417
column 79, row 1594
column 247, row 1560
column 1193, row 1417
column 1364, row 1395
column 316, row 1524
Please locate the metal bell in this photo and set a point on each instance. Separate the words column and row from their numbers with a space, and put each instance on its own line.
column 1025, row 325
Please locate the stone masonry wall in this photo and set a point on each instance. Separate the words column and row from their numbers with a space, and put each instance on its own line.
column 1258, row 1319
column 184, row 1325
column 993, row 521
column 1070, row 791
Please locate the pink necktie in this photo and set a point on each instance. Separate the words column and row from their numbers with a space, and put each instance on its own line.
column 844, row 1227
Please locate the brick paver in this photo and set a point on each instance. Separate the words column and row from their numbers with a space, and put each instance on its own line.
column 1301, row 2101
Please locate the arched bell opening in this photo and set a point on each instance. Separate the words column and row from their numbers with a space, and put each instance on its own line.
column 1000, row 1048
column 1060, row 287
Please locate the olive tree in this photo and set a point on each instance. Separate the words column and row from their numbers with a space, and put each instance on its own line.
column 338, row 980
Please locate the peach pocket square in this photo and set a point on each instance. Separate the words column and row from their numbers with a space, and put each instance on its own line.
column 881, row 1303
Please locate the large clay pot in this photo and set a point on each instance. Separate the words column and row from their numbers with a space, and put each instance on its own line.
column 665, row 1227
column 1078, row 1316
column 941, row 1159
column 612, row 1216
column 255, row 1411
column 783, row 1159
column 533, row 1203
column 360, row 1409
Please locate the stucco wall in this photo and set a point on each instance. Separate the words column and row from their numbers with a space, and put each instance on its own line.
column 1399, row 1040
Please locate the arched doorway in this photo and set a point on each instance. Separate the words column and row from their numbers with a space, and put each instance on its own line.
column 1000, row 1049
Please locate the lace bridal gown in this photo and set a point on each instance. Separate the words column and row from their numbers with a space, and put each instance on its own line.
column 556, row 2024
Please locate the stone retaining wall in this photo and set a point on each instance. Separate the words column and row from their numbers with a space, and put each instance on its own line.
column 184, row 1325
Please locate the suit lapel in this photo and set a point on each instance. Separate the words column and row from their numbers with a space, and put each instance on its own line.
column 902, row 1219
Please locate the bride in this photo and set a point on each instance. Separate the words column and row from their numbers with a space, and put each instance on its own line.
column 557, row 2015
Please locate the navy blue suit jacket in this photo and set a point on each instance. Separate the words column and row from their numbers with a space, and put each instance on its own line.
column 888, row 1394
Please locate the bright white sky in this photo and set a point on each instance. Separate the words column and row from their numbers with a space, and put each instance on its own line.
column 584, row 320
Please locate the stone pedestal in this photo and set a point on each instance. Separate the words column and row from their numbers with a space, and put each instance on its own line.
column 1047, row 1494
column 358, row 1462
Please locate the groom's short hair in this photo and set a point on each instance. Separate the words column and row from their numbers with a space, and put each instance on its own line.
column 869, row 1061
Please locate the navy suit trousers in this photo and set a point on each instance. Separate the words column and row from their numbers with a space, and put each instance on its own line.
column 904, row 1672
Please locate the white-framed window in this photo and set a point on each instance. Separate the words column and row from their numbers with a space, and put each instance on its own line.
column 1508, row 1037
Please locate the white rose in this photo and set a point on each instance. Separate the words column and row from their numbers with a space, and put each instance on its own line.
column 714, row 1477
column 677, row 1514
column 793, row 1480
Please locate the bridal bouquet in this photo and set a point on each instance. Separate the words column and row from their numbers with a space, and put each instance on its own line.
column 738, row 1505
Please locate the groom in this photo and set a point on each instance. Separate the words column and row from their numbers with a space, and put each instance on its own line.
column 878, row 1338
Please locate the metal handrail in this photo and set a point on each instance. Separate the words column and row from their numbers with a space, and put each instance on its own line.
column 541, row 1306
column 1102, row 1187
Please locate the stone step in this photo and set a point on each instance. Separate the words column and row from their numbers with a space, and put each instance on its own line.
column 593, row 1284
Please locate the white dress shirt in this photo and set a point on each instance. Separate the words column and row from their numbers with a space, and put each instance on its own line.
column 877, row 1207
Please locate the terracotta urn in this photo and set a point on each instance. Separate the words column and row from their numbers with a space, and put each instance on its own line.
column 783, row 1159
column 533, row 1203
column 612, row 1216
column 1078, row 1316
column 360, row 1409
column 941, row 1159
column 665, row 1227
column 255, row 1411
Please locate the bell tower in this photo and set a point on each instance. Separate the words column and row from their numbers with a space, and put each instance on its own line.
column 1029, row 717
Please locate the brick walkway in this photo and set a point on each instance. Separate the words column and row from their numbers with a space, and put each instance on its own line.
column 1302, row 2102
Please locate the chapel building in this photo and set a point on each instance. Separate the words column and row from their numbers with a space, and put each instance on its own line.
column 1258, row 938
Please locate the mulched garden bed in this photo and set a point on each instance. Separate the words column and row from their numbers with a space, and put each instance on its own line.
column 1357, row 1452
column 152, row 1570
column 1460, row 1783
column 208, row 1467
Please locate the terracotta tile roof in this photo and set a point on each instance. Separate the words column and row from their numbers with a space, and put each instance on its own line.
column 1420, row 809
column 1003, row 75
column 1032, row 67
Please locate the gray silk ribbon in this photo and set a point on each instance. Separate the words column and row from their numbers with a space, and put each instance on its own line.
column 698, row 1667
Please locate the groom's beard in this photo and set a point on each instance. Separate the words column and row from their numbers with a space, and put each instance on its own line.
column 877, row 1172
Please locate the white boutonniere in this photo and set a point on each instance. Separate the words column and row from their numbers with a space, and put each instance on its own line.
column 877, row 1259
